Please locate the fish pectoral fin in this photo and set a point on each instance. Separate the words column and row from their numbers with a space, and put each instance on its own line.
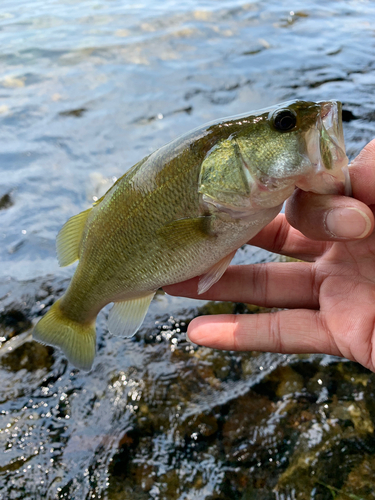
column 69, row 239
column 214, row 274
column 187, row 231
column 125, row 318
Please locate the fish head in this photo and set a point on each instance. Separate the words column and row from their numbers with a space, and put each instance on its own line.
column 298, row 144
column 271, row 152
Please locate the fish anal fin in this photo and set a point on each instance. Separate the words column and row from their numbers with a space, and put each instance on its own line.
column 126, row 317
column 214, row 273
column 69, row 238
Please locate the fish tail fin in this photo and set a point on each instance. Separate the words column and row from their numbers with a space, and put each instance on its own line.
column 76, row 340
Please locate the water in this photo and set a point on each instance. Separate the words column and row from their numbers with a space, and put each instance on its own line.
column 88, row 88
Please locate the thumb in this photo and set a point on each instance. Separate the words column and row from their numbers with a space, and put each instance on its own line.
column 329, row 218
column 338, row 218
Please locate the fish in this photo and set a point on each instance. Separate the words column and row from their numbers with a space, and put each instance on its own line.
column 184, row 210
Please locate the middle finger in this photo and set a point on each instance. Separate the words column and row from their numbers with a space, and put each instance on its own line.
column 282, row 285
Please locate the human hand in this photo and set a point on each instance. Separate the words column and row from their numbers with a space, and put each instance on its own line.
column 330, row 298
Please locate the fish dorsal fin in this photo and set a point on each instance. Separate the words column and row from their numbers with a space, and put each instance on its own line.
column 127, row 175
column 215, row 273
column 69, row 239
column 126, row 317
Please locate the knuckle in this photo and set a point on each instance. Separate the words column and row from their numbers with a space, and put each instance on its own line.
column 275, row 332
column 281, row 236
column 261, row 283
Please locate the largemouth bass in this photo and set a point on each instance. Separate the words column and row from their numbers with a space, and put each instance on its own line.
column 184, row 210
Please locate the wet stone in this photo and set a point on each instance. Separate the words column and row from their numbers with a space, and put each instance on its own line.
column 5, row 201
column 202, row 425
column 360, row 481
column 284, row 381
column 13, row 322
column 77, row 113
column 243, row 428
column 29, row 355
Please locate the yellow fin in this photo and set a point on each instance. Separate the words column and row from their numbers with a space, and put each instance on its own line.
column 69, row 239
column 76, row 340
column 125, row 318
column 215, row 273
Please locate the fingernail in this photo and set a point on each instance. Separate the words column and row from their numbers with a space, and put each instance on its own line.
column 348, row 222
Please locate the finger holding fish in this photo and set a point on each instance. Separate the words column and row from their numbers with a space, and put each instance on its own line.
column 330, row 302
column 313, row 220
column 336, row 218
column 330, row 218
column 258, row 284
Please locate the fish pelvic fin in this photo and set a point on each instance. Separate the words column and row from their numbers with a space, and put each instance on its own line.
column 126, row 317
column 76, row 340
column 69, row 238
column 215, row 273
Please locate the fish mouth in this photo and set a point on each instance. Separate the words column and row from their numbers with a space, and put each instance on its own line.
column 331, row 116
column 325, row 148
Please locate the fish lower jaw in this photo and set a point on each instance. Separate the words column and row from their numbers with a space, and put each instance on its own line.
column 326, row 183
column 272, row 193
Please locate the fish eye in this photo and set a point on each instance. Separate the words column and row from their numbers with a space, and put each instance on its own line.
column 284, row 120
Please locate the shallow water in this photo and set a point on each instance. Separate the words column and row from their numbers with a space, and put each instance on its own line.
column 87, row 88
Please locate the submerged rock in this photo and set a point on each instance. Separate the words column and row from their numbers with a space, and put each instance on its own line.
column 5, row 201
